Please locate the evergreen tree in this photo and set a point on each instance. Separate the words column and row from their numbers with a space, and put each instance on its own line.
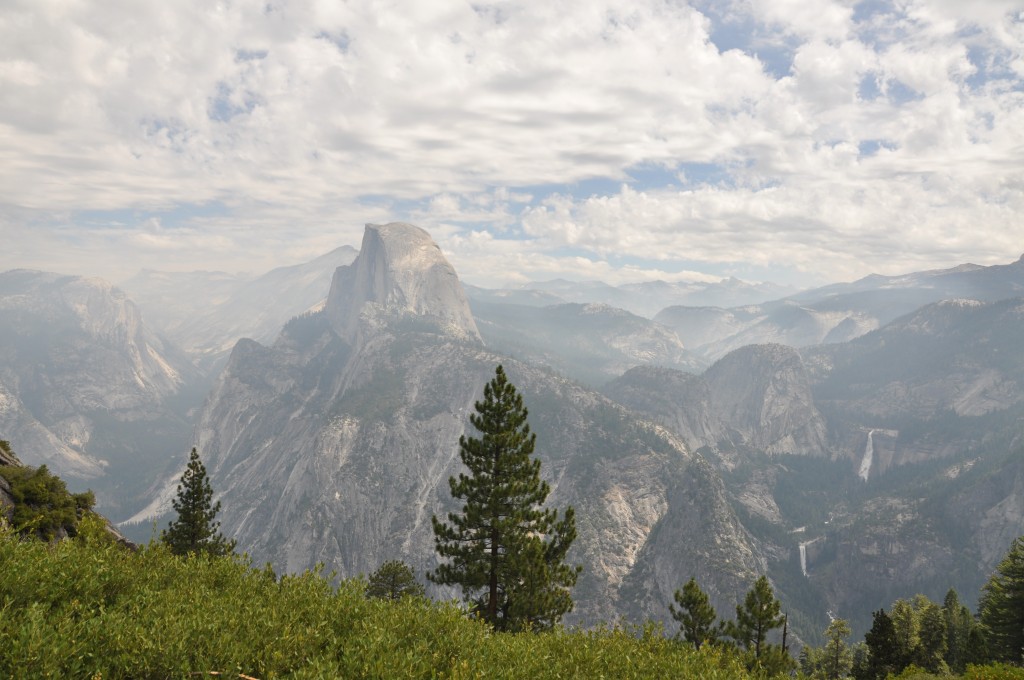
column 883, row 655
column 965, row 643
column 906, row 625
column 759, row 614
column 195, row 531
column 394, row 580
column 931, row 646
column 506, row 553
column 1002, row 606
column 836, row 657
column 958, row 627
column 695, row 615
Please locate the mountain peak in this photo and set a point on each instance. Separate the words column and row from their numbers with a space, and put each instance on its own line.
column 400, row 272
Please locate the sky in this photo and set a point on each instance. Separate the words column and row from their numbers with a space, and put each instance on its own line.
column 793, row 141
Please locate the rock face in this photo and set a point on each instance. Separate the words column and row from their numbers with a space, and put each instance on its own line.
column 76, row 365
column 336, row 444
column 762, row 394
column 756, row 398
column 400, row 274
column 84, row 386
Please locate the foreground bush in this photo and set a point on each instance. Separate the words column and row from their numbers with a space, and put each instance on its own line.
column 85, row 607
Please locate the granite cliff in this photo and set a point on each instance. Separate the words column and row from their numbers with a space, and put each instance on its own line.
column 85, row 387
column 335, row 445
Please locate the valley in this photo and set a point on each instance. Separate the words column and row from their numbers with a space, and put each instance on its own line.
column 856, row 443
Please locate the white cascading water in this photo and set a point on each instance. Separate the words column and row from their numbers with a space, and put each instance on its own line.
column 869, row 454
column 803, row 558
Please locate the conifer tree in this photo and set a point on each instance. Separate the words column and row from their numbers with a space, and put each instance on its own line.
column 394, row 580
column 695, row 615
column 195, row 530
column 931, row 647
column 1002, row 606
column 836, row 656
column 883, row 649
column 759, row 614
column 506, row 553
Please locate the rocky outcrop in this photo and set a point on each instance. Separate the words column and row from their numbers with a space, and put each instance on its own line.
column 400, row 274
column 679, row 401
column 756, row 398
column 762, row 396
column 698, row 509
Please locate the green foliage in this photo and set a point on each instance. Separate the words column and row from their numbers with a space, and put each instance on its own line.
column 695, row 615
column 506, row 553
column 394, row 580
column 84, row 609
column 195, row 530
column 1002, row 606
column 832, row 661
column 965, row 643
column 759, row 614
column 42, row 505
column 995, row 671
column 883, row 649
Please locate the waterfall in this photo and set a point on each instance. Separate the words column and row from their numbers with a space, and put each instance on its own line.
column 869, row 454
column 803, row 558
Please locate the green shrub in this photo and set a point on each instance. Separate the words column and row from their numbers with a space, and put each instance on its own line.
column 42, row 505
column 997, row 671
column 85, row 607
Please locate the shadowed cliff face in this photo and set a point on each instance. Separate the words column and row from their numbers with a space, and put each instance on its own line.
column 757, row 398
column 400, row 274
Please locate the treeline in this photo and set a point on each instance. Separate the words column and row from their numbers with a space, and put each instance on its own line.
column 916, row 638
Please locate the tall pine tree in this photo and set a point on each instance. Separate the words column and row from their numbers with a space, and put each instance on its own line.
column 195, row 531
column 506, row 553
column 1002, row 606
column 884, row 655
column 695, row 615
column 759, row 614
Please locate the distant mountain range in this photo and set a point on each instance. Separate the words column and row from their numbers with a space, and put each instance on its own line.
column 836, row 313
column 857, row 442
column 85, row 386
column 642, row 299
column 205, row 313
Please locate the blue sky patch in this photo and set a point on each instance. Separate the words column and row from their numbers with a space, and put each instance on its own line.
column 870, row 147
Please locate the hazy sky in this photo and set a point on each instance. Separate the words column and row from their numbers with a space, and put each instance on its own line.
column 798, row 141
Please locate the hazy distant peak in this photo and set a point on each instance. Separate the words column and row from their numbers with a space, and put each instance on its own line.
column 399, row 272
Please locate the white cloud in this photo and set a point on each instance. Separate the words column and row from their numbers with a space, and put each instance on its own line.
column 895, row 141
